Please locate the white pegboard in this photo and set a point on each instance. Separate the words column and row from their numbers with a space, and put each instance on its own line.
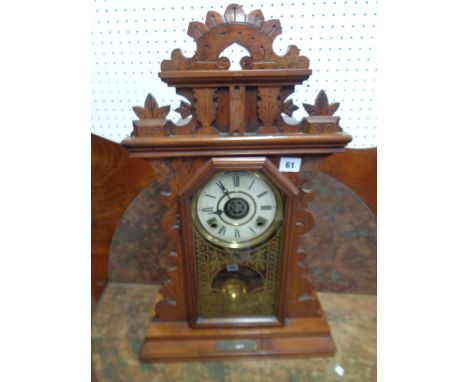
column 131, row 38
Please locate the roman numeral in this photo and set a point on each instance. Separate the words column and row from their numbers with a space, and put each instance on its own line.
column 253, row 230
column 262, row 194
column 266, row 208
column 251, row 184
column 212, row 222
column 261, row 221
column 222, row 230
column 210, row 196
column 220, row 185
column 236, row 180
column 237, row 233
column 210, row 209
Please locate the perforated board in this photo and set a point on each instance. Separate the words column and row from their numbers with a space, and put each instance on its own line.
column 131, row 38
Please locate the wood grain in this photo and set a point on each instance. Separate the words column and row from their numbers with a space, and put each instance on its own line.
column 211, row 145
column 357, row 168
column 115, row 181
column 237, row 109
column 223, row 78
column 173, row 341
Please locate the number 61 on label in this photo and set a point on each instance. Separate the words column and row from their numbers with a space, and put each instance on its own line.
column 290, row 164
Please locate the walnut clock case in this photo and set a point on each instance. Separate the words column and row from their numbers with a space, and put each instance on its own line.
column 236, row 283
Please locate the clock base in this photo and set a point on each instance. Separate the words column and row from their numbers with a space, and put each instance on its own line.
column 176, row 341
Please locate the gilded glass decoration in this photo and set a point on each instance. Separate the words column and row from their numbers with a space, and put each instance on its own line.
column 237, row 283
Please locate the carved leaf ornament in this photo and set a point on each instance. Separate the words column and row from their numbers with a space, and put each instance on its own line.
column 185, row 109
column 151, row 109
column 321, row 106
column 289, row 108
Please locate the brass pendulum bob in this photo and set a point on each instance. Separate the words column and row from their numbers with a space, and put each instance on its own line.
column 234, row 289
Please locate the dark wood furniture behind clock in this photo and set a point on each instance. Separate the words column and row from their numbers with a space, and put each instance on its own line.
column 235, row 285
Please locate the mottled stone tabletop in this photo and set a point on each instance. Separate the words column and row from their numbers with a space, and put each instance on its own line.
column 124, row 310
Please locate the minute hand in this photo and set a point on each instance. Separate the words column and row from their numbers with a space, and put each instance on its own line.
column 221, row 186
column 227, row 193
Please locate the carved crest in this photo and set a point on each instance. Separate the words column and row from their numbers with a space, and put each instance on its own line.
column 251, row 31
column 252, row 101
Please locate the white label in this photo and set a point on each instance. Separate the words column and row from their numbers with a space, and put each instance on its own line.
column 232, row 267
column 339, row 370
column 290, row 164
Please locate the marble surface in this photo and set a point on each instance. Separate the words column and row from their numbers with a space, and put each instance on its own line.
column 124, row 310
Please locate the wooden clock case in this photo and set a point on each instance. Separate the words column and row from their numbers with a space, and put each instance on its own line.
column 234, row 120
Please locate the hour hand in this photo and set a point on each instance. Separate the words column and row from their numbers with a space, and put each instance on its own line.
column 219, row 212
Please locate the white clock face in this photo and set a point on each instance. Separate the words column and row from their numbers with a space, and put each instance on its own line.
column 237, row 208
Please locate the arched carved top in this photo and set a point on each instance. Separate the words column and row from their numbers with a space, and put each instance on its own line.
column 223, row 109
column 250, row 31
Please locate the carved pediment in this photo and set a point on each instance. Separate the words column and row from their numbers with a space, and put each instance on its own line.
column 251, row 31
column 221, row 105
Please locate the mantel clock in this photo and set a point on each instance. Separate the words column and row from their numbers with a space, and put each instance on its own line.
column 234, row 216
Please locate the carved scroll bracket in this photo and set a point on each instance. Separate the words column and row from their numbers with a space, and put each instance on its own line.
column 303, row 301
column 172, row 173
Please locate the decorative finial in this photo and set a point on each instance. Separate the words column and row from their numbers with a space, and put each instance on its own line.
column 321, row 106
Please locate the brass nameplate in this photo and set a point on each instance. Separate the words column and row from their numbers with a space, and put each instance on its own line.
column 236, row 345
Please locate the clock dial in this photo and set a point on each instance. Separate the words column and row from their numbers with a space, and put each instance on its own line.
column 237, row 209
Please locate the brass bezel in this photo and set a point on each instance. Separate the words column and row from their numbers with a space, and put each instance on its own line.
column 239, row 245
